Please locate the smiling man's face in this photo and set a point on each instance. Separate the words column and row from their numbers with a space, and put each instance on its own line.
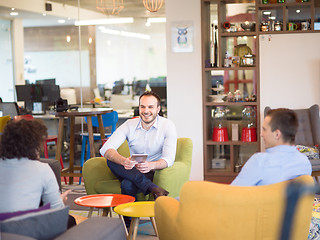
column 148, row 109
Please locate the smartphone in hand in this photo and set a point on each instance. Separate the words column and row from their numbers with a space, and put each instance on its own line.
column 139, row 158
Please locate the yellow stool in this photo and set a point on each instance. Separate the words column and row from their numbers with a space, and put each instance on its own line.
column 136, row 210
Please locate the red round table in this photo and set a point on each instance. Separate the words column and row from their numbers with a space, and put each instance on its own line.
column 104, row 201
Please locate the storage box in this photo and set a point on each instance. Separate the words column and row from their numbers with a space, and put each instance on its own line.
column 218, row 163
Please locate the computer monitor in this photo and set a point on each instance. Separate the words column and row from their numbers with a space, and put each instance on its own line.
column 23, row 92
column 139, row 87
column 9, row 108
column 50, row 81
column 160, row 91
column 35, row 95
column 118, row 86
column 36, row 92
column 50, row 93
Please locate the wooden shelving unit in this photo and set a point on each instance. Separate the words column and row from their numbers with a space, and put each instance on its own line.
column 236, row 76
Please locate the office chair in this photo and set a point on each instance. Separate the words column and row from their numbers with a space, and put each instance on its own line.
column 9, row 108
column 50, row 138
column 3, row 122
column 109, row 120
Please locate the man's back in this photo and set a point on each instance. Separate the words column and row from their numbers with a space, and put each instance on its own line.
column 277, row 164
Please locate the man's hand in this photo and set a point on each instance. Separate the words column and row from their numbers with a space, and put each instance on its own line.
column 144, row 167
column 64, row 196
column 128, row 164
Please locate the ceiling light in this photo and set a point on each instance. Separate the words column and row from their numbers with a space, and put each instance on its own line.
column 109, row 6
column 152, row 5
column 68, row 38
column 266, row 12
column 298, row 11
column 90, row 40
column 124, row 33
column 104, row 21
column 156, row 20
column 61, row 21
column 14, row 14
column 12, row 9
column 272, row 18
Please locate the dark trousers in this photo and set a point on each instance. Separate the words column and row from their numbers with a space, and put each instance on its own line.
column 132, row 181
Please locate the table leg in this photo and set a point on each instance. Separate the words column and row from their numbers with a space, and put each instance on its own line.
column 154, row 226
column 71, row 160
column 124, row 224
column 133, row 228
column 90, row 133
column 106, row 212
column 60, row 138
column 90, row 212
column 101, row 127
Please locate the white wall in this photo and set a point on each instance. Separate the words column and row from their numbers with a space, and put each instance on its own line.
column 290, row 70
column 64, row 66
column 184, row 82
column 122, row 57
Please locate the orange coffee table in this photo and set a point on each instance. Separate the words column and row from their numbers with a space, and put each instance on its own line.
column 103, row 201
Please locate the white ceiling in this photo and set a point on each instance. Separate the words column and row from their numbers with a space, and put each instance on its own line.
column 132, row 8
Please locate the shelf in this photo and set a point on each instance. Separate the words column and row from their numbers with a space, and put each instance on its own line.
column 222, row 172
column 229, row 69
column 231, row 104
column 288, row 32
column 238, row 34
column 238, row 143
column 278, row 5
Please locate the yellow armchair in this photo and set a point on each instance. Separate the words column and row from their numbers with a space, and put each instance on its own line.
column 208, row 210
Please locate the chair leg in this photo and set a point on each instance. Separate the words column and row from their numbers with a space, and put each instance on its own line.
column 88, row 150
column 45, row 149
column 83, row 152
column 61, row 162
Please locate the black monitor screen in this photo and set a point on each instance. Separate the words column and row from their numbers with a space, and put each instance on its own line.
column 160, row 91
column 51, row 81
column 23, row 92
column 50, row 93
column 35, row 92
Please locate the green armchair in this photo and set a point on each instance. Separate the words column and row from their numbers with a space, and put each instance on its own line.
column 98, row 178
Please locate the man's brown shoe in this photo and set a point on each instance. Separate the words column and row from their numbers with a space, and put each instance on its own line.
column 158, row 191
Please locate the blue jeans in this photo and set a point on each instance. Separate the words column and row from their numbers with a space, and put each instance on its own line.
column 132, row 181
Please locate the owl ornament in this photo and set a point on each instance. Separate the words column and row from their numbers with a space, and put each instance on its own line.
column 182, row 36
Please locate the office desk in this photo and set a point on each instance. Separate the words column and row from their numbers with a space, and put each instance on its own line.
column 84, row 112
column 51, row 123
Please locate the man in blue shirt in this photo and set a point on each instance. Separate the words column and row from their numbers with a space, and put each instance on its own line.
column 281, row 161
column 150, row 134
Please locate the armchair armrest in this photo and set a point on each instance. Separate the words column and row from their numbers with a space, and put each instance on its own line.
column 166, row 211
column 96, row 170
column 172, row 178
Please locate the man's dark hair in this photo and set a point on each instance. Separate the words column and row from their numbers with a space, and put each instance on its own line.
column 22, row 138
column 151, row 93
column 286, row 121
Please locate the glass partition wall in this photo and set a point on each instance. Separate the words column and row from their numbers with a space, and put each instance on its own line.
column 94, row 64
